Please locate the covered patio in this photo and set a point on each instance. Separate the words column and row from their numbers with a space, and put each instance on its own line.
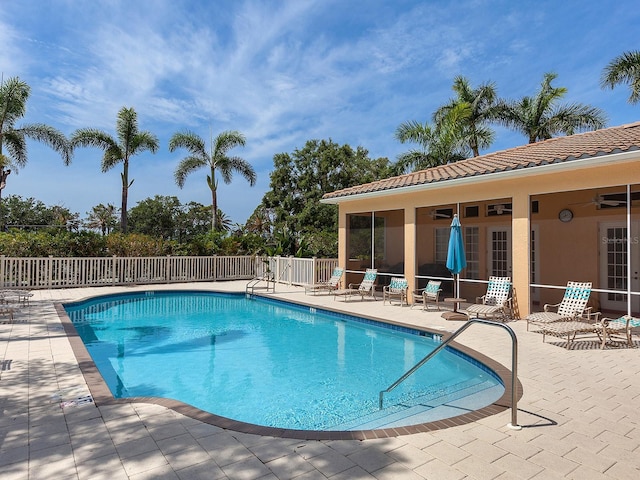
column 566, row 209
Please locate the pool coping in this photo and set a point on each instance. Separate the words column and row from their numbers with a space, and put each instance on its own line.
column 102, row 395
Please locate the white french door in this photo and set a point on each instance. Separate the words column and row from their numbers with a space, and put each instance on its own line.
column 614, row 258
column 499, row 252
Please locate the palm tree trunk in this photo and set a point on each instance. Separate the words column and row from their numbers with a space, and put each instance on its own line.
column 125, row 194
column 214, row 209
column 214, row 200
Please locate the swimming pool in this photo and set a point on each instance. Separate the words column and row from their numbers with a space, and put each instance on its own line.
column 275, row 364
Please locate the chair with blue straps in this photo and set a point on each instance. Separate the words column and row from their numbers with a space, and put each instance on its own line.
column 572, row 307
column 330, row 285
column 365, row 288
column 622, row 328
column 495, row 303
column 397, row 288
column 429, row 294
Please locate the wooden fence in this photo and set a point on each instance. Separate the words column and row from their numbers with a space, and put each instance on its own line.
column 66, row 272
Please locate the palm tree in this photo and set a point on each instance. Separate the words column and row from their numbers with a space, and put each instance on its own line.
column 217, row 160
column 130, row 141
column 474, row 109
column 223, row 222
column 102, row 217
column 438, row 144
column 539, row 118
column 14, row 94
column 624, row 69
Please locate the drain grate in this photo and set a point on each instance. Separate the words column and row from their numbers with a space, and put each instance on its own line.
column 77, row 402
column 6, row 365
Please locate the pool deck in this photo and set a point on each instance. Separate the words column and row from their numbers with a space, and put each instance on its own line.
column 580, row 414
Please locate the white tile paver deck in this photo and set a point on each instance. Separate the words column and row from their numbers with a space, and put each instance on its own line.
column 580, row 412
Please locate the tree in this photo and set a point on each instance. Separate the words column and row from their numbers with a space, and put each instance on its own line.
column 14, row 94
column 298, row 182
column 156, row 217
column 130, row 141
column 193, row 219
column 540, row 118
column 223, row 222
column 259, row 222
column 439, row 144
column 102, row 217
column 31, row 214
column 217, row 159
column 624, row 69
column 472, row 110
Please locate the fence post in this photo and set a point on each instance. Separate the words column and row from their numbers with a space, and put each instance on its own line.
column 167, row 270
column 290, row 269
column 4, row 280
column 50, row 270
column 314, row 266
column 113, row 271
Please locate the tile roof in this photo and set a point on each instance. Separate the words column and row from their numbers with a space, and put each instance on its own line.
column 606, row 141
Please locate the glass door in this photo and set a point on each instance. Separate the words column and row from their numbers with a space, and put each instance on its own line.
column 499, row 261
column 614, row 260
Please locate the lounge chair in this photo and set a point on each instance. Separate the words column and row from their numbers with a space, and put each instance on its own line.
column 397, row 288
column 621, row 327
column 329, row 285
column 18, row 296
column 569, row 329
column 572, row 307
column 6, row 310
column 363, row 289
column 429, row 294
column 495, row 303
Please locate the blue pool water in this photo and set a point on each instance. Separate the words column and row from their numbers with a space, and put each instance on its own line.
column 272, row 363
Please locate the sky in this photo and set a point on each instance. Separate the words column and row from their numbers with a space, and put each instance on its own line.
column 283, row 72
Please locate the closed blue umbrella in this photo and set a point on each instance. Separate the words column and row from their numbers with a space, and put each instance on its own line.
column 456, row 259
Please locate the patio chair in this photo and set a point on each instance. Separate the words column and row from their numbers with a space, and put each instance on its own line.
column 495, row 303
column 329, row 285
column 363, row 289
column 621, row 328
column 397, row 288
column 18, row 296
column 6, row 310
column 572, row 307
column 569, row 328
column 429, row 294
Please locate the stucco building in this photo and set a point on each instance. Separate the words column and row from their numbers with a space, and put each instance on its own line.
column 544, row 213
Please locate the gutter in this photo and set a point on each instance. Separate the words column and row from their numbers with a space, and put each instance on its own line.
column 564, row 165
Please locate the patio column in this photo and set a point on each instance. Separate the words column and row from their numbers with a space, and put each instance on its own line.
column 342, row 238
column 410, row 249
column 521, row 261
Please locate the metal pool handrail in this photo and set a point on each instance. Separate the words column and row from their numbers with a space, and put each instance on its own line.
column 514, row 366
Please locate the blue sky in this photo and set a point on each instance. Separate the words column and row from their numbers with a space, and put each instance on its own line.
column 283, row 72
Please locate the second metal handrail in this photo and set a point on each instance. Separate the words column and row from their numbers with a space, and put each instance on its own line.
column 514, row 366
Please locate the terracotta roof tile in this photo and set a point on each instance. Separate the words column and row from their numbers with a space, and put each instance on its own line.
column 556, row 150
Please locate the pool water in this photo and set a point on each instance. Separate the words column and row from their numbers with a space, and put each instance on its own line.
column 273, row 363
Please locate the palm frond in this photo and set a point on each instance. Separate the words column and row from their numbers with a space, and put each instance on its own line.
column 16, row 146
column 49, row 136
column 185, row 167
column 624, row 69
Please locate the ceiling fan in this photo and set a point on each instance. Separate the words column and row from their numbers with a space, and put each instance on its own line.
column 600, row 200
column 500, row 208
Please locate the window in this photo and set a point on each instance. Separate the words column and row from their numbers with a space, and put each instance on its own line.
column 470, row 212
column 441, row 244
column 472, row 250
column 360, row 232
